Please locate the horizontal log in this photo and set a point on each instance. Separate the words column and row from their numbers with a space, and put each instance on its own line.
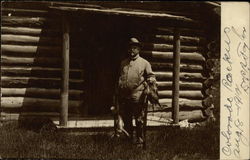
column 185, row 40
column 31, row 31
column 161, row 76
column 168, row 47
column 24, row 12
column 182, row 94
column 31, row 51
column 183, row 31
column 29, row 40
column 38, row 61
column 183, row 102
column 37, row 104
column 208, row 101
column 183, row 85
column 23, row 82
column 161, row 66
column 38, row 50
column 39, row 72
column 40, row 93
column 30, row 22
column 169, row 55
column 191, row 116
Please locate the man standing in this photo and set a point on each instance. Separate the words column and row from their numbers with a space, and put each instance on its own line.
column 134, row 72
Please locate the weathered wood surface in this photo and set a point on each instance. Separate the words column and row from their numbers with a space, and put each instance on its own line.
column 161, row 76
column 28, row 40
column 138, row 13
column 188, row 103
column 183, row 85
column 31, row 51
column 182, row 94
column 30, row 31
column 38, row 61
column 38, row 72
column 164, row 38
column 184, row 31
column 41, row 5
column 24, row 12
column 40, row 93
column 7, row 116
column 168, row 47
column 37, row 104
column 193, row 56
column 191, row 116
column 168, row 66
column 21, row 82
column 176, row 76
column 64, row 94
column 29, row 22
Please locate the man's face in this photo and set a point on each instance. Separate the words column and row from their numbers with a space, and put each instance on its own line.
column 133, row 50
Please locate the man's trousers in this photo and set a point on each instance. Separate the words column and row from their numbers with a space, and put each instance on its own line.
column 130, row 109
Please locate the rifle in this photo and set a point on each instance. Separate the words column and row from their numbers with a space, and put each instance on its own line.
column 145, row 110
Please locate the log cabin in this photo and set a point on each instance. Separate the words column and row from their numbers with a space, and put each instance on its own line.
column 60, row 59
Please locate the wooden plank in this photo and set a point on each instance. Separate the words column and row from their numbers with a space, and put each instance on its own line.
column 174, row 7
column 23, row 82
column 38, row 72
column 183, row 85
column 37, row 104
column 184, row 76
column 29, row 40
column 176, row 77
column 137, row 13
column 193, row 56
column 40, row 93
column 30, row 31
column 65, row 74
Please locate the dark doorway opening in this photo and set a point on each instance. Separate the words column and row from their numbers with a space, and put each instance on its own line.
column 105, row 46
column 102, row 44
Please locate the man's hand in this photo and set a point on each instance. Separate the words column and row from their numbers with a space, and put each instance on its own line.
column 151, row 80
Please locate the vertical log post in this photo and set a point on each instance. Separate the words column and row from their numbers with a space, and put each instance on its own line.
column 65, row 74
column 176, row 77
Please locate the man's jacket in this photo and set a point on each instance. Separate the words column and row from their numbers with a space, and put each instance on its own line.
column 133, row 73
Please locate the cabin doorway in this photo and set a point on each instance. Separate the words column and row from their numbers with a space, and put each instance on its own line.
column 104, row 42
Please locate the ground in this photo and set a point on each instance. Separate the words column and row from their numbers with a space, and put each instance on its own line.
column 168, row 143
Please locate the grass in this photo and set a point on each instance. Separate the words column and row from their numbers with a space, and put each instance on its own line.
column 197, row 143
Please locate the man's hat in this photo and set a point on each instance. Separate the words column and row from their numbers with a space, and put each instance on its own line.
column 134, row 41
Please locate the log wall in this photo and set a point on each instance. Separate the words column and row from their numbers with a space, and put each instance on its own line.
column 31, row 62
column 31, row 59
column 158, row 50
